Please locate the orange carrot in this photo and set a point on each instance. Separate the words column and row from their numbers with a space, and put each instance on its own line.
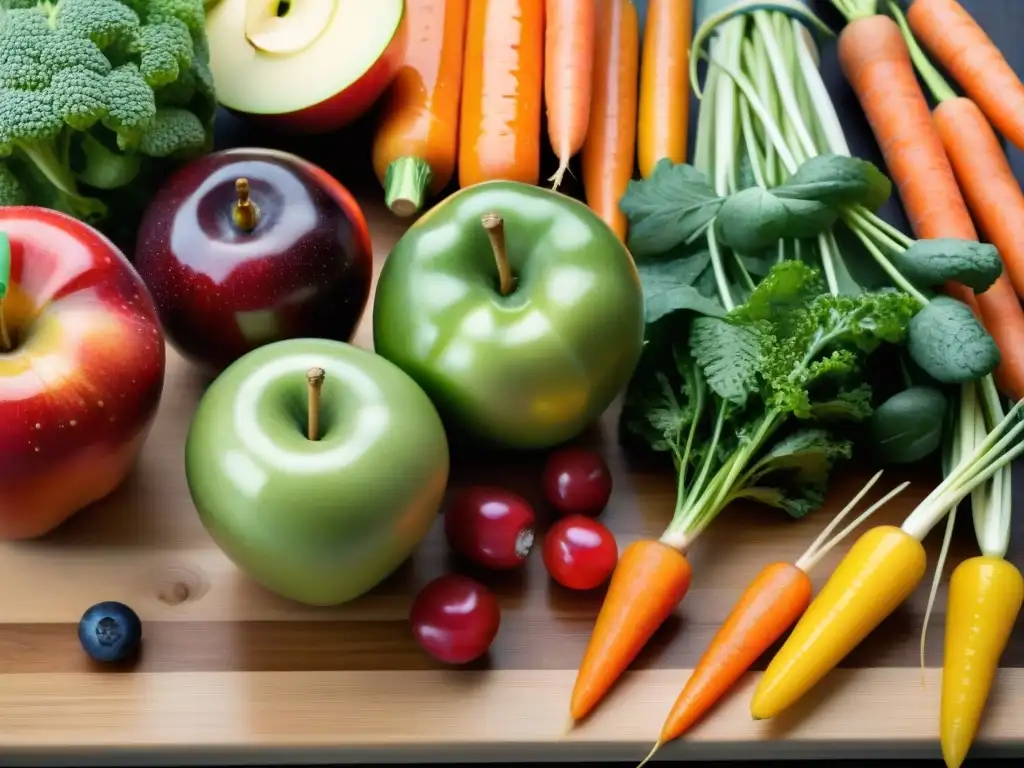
column 609, row 151
column 648, row 583
column 664, row 88
column 987, row 182
column 568, row 71
column 961, row 46
column 876, row 62
column 775, row 599
column 416, row 142
column 502, row 92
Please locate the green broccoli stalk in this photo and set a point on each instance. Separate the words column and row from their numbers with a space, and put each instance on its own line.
column 94, row 91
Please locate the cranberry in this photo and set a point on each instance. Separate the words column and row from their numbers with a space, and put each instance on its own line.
column 579, row 552
column 491, row 526
column 577, row 482
column 455, row 619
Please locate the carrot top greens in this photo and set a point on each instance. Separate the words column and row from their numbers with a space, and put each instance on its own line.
column 744, row 401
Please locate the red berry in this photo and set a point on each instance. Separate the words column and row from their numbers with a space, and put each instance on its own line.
column 491, row 526
column 579, row 552
column 577, row 482
column 455, row 619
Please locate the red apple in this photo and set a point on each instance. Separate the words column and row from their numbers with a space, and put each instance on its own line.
column 81, row 369
column 304, row 66
column 245, row 247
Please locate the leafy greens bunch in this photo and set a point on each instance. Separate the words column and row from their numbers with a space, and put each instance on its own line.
column 746, row 401
column 98, row 98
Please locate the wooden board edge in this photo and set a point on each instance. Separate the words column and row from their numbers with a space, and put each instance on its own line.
column 439, row 716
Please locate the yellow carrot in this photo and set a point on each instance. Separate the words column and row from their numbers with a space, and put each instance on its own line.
column 985, row 596
column 880, row 571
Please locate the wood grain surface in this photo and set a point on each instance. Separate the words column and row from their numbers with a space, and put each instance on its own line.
column 232, row 673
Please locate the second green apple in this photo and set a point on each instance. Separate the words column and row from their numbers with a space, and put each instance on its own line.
column 516, row 309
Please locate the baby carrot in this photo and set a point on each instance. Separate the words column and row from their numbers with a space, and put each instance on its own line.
column 961, row 46
column 648, row 583
column 502, row 92
column 876, row 62
column 416, row 142
column 568, row 71
column 664, row 90
column 985, row 596
column 775, row 599
column 882, row 569
column 609, row 151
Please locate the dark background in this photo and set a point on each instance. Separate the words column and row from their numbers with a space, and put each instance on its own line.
column 346, row 155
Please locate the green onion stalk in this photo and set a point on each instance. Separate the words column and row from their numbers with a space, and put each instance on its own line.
column 765, row 110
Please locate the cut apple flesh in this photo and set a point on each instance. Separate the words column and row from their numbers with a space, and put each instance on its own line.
column 286, row 26
column 272, row 57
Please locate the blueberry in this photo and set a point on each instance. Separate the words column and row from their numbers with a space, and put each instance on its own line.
column 110, row 631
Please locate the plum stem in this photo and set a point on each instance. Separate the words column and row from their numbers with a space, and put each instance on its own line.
column 495, row 227
column 315, row 379
column 5, row 279
column 245, row 213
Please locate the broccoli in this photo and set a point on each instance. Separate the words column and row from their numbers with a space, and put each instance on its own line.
column 129, row 76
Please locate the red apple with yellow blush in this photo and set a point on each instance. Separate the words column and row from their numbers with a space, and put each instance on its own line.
column 81, row 368
column 304, row 66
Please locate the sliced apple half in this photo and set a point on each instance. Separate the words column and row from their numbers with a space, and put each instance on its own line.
column 304, row 65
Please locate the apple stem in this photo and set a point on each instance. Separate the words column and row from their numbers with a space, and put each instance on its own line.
column 495, row 227
column 5, row 279
column 315, row 379
column 245, row 213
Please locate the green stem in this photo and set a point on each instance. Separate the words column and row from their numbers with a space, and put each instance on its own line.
column 406, row 183
column 855, row 223
column 940, row 89
column 784, row 84
column 718, row 268
column 856, row 9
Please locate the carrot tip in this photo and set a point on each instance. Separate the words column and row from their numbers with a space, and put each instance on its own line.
column 657, row 745
column 570, row 724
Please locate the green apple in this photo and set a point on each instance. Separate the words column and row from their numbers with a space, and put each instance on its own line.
column 317, row 486
column 516, row 308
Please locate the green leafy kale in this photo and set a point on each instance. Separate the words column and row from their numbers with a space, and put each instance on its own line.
column 98, row 94
column 746, row 403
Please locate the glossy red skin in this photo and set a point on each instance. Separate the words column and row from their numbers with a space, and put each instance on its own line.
column 455, row 619
column 80, row 391
column 348, row 105
column 490, row 526
column 306, row 269
column 579, row 552
column 577, row 482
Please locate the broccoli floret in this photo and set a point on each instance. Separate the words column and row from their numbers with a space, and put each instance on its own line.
column 166, row 50
column 131, row 105
column 11, row 190
column 68, row 67
column 103, row 22
column 176, row 131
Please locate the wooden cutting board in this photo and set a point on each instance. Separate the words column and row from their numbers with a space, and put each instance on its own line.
column 232, row 673
column 228, row 668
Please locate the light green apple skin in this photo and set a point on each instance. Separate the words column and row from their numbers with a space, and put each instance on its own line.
column 531, row 369
column 320, row 522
